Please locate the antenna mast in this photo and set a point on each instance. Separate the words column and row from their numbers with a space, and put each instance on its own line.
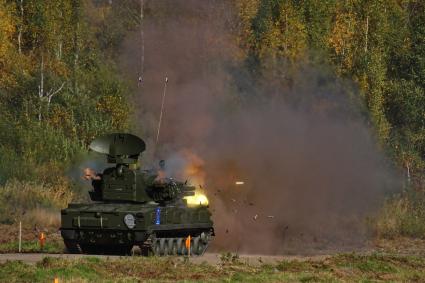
column 162, row 110
column 142, row 56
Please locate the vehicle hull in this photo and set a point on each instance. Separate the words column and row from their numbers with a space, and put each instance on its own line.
column 101, row 228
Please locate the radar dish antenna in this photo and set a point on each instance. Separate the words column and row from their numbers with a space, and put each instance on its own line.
column 119, row 147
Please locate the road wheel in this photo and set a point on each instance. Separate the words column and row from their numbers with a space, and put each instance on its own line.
column 170, row 246
column 156, row 248
column 162, row 246
column 179, row 246
column 204, row 237
column 197, row 246
column 174, row 248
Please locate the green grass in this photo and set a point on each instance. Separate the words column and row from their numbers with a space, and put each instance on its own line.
column 32, row 247
column 339, row 268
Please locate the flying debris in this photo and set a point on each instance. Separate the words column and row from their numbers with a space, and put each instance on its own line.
column 239, row 183
column 270, row 216
column 255, row 216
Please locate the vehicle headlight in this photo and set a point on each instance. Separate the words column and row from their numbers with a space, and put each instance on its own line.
column 130, row 221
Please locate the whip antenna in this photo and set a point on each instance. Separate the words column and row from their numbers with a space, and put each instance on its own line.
column 162, row 109
column 142, row 39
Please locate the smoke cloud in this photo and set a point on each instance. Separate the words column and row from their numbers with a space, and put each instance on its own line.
column 311, row 168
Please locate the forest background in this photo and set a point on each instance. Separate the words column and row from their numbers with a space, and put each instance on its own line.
column 61, row 85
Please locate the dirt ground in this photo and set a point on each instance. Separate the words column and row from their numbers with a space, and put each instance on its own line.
column 210, row 258
column 401, row 246
column 9, row 234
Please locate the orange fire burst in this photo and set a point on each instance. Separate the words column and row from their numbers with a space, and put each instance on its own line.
column 195, row 173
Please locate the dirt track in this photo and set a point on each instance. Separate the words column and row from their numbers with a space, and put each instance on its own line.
column 211, row 258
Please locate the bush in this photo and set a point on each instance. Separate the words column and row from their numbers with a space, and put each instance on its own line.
column 403, row 215
column 32, row 203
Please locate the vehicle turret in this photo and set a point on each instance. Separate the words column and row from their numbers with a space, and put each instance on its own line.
column 124, row 181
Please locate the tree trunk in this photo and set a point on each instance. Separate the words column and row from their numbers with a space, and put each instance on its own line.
column 21, row 7
column 286, row 32
column 41, row 87
column 51, row 93
column 366, row 34
column 60, row 50
column 76, row 12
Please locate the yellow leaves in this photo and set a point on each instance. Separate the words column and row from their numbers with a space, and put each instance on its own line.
column 59, row 117
column 285, row 37
column 342, row 38
column 57, row 67
column 116, row 108
column 97, row 12
column 247, row 10
column 342, row 33
column 7, row 27
column 7, row 30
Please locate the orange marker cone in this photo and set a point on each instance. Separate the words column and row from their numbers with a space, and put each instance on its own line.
column 187, row 243
column 42, row 240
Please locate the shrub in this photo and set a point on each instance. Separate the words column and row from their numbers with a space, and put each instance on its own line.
column 403, row 215
column 35, row 204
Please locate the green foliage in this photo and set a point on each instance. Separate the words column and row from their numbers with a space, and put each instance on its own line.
column 227, row 258
column 59, row 87
column 34, row 204
column 58, row 78
column 53, row 247
column 378, row 44
column 403, row 216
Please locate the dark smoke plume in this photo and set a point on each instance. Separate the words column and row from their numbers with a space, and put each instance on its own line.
column 311, row 169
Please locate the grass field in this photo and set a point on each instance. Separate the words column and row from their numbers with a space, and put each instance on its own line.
column 55, row 247
column 338, row 268
column 397, row 260
column 397, row 253
column 9, row 242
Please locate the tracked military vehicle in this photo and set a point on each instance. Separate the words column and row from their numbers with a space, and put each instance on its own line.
column 132, row 207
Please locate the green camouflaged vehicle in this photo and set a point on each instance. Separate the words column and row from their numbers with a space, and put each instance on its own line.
column 133, row 207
